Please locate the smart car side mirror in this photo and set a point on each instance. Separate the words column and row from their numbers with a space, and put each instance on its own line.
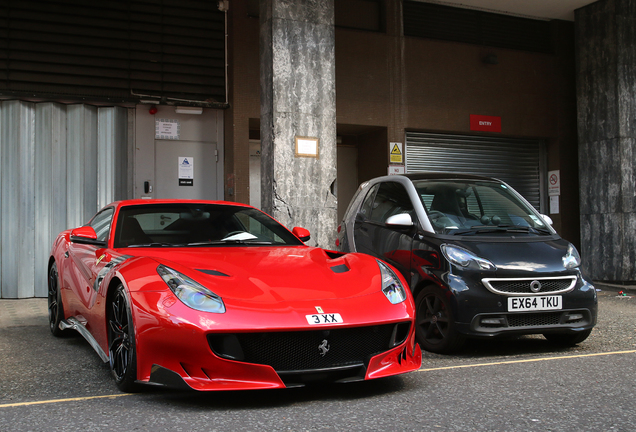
column 301, row 233
column 400, row 220
column 86, row 235
column 547, row 219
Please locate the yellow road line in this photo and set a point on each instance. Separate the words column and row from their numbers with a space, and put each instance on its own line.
column 81, row 399
column 527, row 360
column 18, row 404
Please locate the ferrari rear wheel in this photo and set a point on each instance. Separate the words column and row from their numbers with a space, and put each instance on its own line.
column 56, row 308
column 435, row 325
column 121, row 341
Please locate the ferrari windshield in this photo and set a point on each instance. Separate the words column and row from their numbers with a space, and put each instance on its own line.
column 196, row 225
column 473, row 207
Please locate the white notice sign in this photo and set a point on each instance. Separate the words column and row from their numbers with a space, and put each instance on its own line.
column 167, row 129
column 554, row 204
column 186, row 171
column 396, row 169
column 307, row 147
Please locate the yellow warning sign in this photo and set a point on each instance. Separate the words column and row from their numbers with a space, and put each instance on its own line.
column 395, row 153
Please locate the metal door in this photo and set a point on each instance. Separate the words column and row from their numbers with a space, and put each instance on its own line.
column 199, row 156
column 160, row 153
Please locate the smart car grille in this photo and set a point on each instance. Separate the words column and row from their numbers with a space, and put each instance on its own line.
column 309, row 350
column 534, row 319
column 525, row 285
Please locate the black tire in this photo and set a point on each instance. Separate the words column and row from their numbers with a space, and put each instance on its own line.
column 567, row 339
column 56, row 308
column 122, row 350
column 435, row 329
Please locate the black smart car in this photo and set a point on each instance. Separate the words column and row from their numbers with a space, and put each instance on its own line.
column 480, row 260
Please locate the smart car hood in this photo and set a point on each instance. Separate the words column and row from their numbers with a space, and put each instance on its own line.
column 273, row 274
column 521, row 256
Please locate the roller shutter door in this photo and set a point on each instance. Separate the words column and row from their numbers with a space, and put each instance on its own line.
column 520, row 163
column 119, row 51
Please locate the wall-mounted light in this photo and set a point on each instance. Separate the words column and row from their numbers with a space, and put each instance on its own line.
column 188, row 110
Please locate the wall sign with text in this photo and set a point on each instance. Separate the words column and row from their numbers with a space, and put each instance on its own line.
column 485, row 123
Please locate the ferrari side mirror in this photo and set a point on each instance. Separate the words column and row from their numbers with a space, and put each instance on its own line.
column 301, row 233
column 85, row 235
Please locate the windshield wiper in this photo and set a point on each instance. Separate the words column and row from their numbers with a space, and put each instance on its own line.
column 500, row 228
column 225, row 242
column 157, row 245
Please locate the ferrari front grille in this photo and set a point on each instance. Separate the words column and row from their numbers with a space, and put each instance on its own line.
column 310, row 350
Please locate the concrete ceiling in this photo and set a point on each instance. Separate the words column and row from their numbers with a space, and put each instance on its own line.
column 543, row 9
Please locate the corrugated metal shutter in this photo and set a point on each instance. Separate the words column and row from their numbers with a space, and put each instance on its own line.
column 517, row 162
column 58, row 165
column 113, row 50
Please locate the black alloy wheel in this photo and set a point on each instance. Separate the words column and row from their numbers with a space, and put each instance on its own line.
column 121, row 341
column 435, row 325
column 56, row 309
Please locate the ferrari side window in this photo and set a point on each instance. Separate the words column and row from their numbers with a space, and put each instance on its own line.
column 101, row 223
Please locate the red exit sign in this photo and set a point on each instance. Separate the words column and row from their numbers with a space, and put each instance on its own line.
column 485, row 123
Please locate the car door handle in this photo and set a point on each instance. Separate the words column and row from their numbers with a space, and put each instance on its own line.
column 66, row 254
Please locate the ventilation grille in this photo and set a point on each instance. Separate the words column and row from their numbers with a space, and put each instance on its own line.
column 534, row 319
column 113, row 50
column 427, row 20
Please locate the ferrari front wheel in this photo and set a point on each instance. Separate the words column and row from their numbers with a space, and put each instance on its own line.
column 56, row 308
column 121, row 341
column 435, row 325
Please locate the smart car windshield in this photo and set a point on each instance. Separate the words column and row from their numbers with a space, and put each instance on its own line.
column 474, row 207
column 196, row 225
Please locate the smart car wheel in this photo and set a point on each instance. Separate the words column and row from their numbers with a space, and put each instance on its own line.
column 435, row 329
column 56, row 309
column 567, row 339
column 121, row 341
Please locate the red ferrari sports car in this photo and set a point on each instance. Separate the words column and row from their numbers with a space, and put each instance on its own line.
column 215, row 295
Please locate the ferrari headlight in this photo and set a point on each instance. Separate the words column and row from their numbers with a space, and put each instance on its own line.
column 191, row 293
column 463, row 258
column 571, row 259
column 391, row 286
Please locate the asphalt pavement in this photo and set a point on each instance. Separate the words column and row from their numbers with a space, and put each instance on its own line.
column 49, row 383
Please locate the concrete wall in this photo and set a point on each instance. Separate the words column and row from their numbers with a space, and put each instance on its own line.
column 297, row 72
column 606, row 95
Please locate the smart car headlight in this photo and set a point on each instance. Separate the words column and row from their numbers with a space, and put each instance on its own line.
column 391, row 286
column 571, row 259
column 191, row 293
column 465, row 259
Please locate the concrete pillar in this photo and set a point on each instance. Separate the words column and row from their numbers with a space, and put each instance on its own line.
column 606, row 99
column 298, row 99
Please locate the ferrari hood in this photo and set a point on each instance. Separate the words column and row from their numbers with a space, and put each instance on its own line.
column 274, row 274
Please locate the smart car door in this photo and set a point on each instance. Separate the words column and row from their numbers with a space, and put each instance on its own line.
column 362, row 228
column 392, row 243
